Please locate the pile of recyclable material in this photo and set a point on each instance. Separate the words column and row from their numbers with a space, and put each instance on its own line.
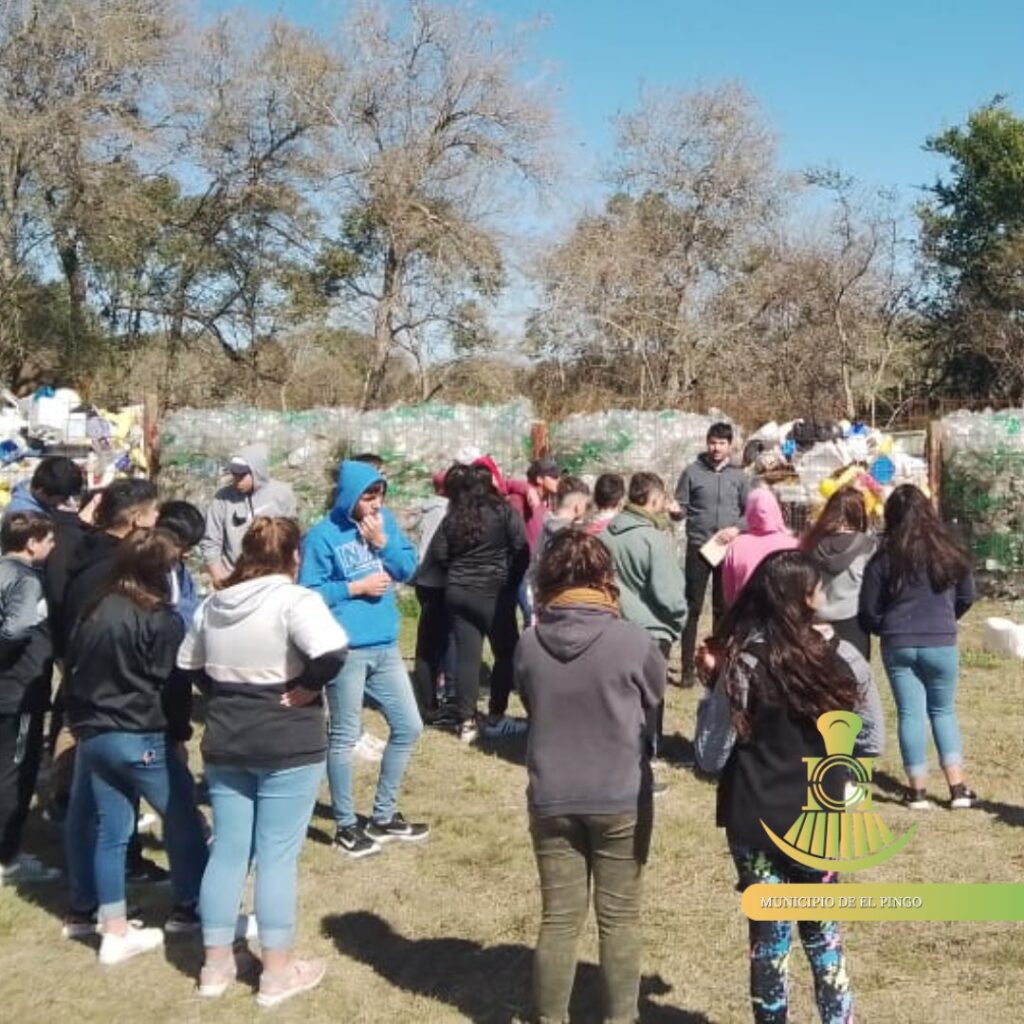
column 306, row 446
column 983, row 487
column 628, row 440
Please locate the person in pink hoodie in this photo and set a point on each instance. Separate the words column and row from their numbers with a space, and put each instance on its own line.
column 766, row 532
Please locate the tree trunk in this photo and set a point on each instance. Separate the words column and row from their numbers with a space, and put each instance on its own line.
column 383, row 331
column 74, row 276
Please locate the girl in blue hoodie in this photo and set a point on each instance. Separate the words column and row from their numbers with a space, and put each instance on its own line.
column 352, row 558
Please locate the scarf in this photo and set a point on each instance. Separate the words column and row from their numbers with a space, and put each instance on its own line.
column 587, row 596
column 660, row 521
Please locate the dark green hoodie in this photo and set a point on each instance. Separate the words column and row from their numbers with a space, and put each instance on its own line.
column 652, row 586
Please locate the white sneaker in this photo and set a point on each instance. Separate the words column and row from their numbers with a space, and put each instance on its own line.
column 115, row 949
column 25, row 869
column 366, row 749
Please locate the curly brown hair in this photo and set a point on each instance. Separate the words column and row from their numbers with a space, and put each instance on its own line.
column 575, row 559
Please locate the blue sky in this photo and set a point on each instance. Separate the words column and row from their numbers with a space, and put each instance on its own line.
column 859, row 85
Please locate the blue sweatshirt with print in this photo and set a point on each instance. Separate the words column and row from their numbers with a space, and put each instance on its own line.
column 335, row 555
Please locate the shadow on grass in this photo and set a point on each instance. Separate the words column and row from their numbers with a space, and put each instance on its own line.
column 487, row 984
column 893, row 790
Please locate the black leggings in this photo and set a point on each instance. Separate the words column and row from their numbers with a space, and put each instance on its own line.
column 432, row 635
column 477, row 614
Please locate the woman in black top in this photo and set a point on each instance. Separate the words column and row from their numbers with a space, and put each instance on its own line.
column 121, row 655
column 481, row 544
column 773, row 675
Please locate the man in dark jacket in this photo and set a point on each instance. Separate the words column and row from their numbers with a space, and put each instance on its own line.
column 712, row 496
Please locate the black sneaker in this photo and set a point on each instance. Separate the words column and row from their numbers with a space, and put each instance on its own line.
column 184, row 920
column 397, row 828
column 355, row 841
column 961, row 797
column 916, row 799
column 147, row 872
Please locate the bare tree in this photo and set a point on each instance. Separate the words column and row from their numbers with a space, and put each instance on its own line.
column 435, row 133
column 631, row 287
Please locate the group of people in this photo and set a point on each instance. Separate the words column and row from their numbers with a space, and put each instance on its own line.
column 582, row 599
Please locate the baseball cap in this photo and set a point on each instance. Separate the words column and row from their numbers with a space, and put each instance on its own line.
column 237, row 466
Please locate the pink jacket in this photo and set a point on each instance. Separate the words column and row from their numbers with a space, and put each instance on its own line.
column 766, row 532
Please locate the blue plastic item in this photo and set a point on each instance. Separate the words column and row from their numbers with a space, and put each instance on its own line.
column 883, row 469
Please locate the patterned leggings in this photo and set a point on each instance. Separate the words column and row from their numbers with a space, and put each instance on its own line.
column 770, row 943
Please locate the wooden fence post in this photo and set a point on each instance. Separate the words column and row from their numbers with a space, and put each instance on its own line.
column 151, row 432
column 933, row 449
column 539, row 440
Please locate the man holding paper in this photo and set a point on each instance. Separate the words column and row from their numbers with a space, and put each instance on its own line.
column 712, row 496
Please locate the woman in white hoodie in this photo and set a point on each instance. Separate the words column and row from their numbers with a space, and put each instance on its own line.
column 264, row 647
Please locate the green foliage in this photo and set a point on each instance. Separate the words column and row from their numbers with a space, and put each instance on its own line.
column 972, row 232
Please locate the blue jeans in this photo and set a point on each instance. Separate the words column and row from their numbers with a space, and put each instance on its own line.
column 379, row 672
column 262, row 812
column 923, row 681
column 112, row 770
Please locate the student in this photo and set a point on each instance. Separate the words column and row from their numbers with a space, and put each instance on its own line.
column 433, row 629
column 571, row 503
column 265, row 648
column 772, row 674
column 916, row 587
column 482, row 548
column 55, row 486
column 765, row 532
column 251, row 493
column 652, row 589
column 542, row 477
column 187, row 525
column 840, row 544
column 590, row 682
column 124, row 507
column 26, row 658
column 609, row 498
column 122, row 653
column 712, row 496
column 352, row 559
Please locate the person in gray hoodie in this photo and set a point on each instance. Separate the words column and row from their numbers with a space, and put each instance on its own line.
column 590, row 682
column 841, row 546
column 251, row 493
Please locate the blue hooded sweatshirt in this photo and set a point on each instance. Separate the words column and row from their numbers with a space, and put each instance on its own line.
column 23, row 500
column 334, row 554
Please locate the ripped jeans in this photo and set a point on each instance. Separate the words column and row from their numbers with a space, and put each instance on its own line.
column 770, row 943
column 112, row 770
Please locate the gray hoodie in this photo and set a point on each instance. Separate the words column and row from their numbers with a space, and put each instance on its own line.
column 231, row 512
column 588, row 680
column 432, row 513
column 842, row 559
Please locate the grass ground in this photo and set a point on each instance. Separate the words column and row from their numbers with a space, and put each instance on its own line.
column 444, row 931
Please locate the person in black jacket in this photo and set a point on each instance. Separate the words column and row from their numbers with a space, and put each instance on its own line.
column 773, row 674
column 481, row 546
column 122, row 653
column 25, row 667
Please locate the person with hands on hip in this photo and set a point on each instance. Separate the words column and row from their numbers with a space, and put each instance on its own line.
column 352, row 558
column 263, row 649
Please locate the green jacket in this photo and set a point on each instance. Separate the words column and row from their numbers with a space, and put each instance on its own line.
column 651, row 583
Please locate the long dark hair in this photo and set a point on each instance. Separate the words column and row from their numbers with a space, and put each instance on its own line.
column 845, row 510
column 470, row 491
column 918, row 541
column 141, row 570
column 774, row 612
column 575, row 558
